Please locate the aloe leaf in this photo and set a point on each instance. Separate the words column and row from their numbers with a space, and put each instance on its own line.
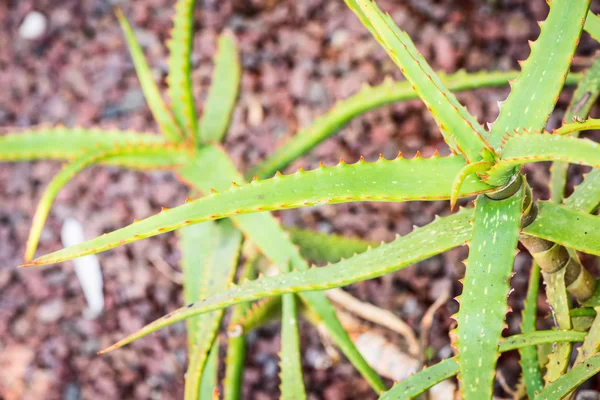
column 460, row 129
column 210, row 376
column 144, row 158
column 592, row 25
column 570, row 128
column 420, row 244
column 209, row 257
column 180, row 66
column 61, row 143
column 483, row 302
column 418, row 383
column 161, row 114
column 274, row 243
column 327, row 247
column 535, row 147
column 558, row 299
column 397, row 180
column 260, row 313
column 584, row 98
column 570, row 228
column 571, row 380
column 465, row 172
column 530, row 366
column 591, row 344
column 535, row 92
column 223, row 91
column 292, row 384
column 586, row 196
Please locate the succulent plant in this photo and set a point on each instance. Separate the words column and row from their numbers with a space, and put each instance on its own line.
column 485, row 163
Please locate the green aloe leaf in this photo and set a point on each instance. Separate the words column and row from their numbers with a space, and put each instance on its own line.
column 530, row 366
column 292, row 384
column 223, row 91
column 61, row 143
column 592, row 25
column 483, row 302
column 397, row 180
column 150, row 157
column 418, row 383
column 180, row 66
column 570, row 128
column 591, row 344
column 571, row 380
column 212, row 168
column 420, row 244
column 209, row 259
column 161, row 113
column 535, row 92
column 461, row 130
column 570, row 228
column 327, row 247
column 535, row 147
column 584, row 98
column 586, row 196
column 459, row 179
column 260, row 313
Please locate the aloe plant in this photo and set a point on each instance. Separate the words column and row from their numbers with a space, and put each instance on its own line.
column 484, row 163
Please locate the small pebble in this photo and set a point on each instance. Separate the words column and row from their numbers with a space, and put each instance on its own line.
column 33, row 26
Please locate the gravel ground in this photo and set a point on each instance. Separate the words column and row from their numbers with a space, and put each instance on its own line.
column 299, row 58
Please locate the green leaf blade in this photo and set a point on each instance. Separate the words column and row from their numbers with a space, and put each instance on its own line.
column 483, row 303
column 570, row 228
column 571, row 380
column 161, row 114
column 532, row 375
column 397, row 180
column 543, row 72
column 223, row 91
column 180, row 66
column 586, row 196
column 418, row 383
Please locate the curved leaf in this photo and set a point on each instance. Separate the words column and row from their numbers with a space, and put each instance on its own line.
column 420, row 244
column 212, row 168
column 530, row 366
column 180, row 66
column 535, row 92
column 570, row 228
column 584, row 98
column 161, row 114
column 61, row 143
column 466, row 171
column 223, row 91
column 483, row 302
column 586, row 196
column 327, row 247
column 397, row 180
column 569, row 128
column 535, row 147
column 567, row 383
column 460, row 129
column 292, row 384
column 146, row 157
column 209, row 259
column 418, row 383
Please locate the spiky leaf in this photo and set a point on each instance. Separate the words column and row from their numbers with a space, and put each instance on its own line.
column 180, row 66
column 223, row 91
column 439, row 236
column 397, row 180
column 575, row 229
column 535, row 92
column 535, row 147
column 532, row 375
column 327, row 247
column 483, row 302
column 592, row 25
column 292, row 385
column 210, row 375
column 584, row 98
column 209, row 257
column 461, row 130
column 161, row 114
column 586, row 196
column 571, row 380
column 61, row 143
